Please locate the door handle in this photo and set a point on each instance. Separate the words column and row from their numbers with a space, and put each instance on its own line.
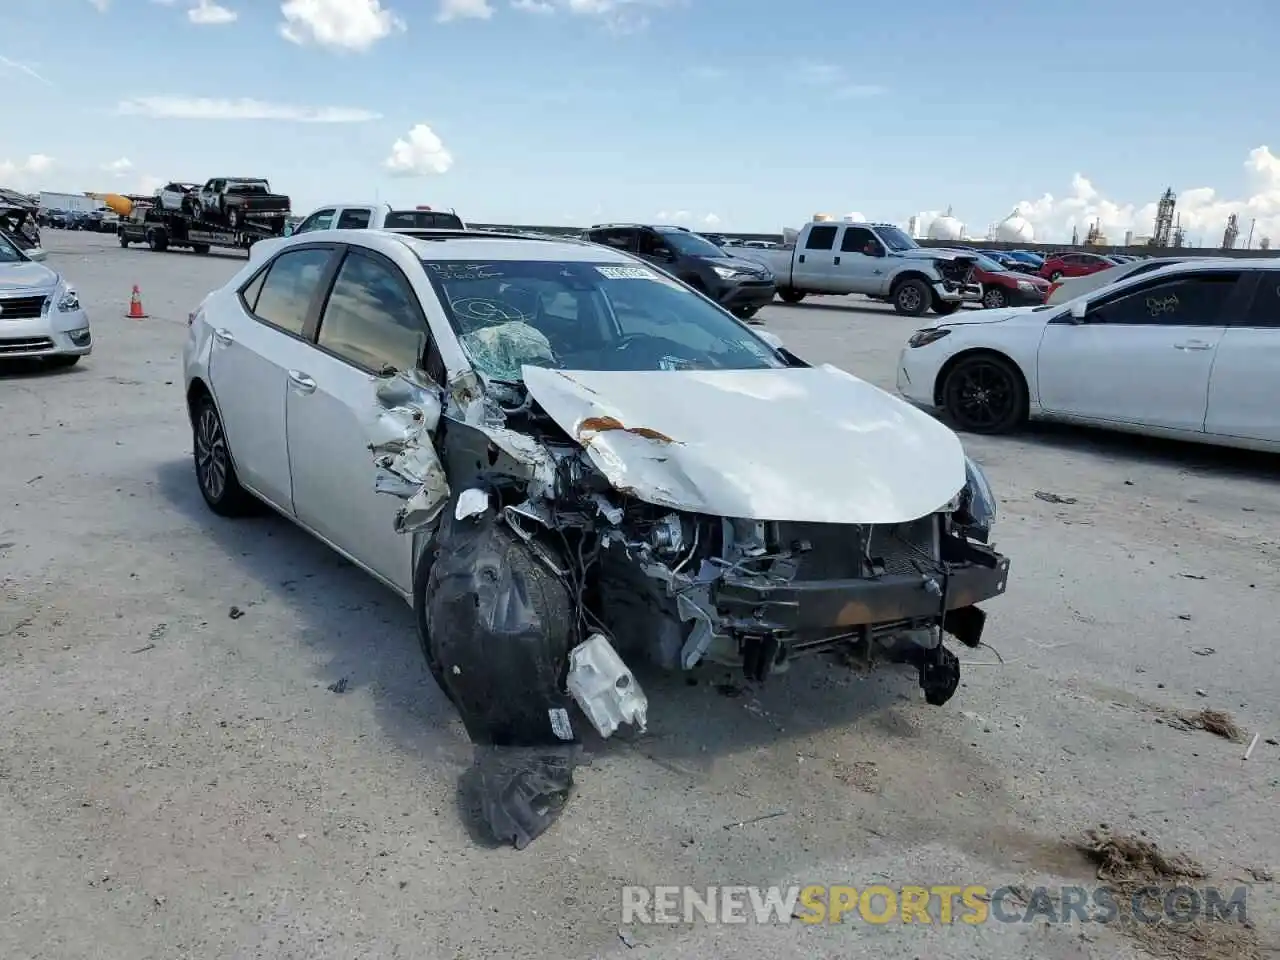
column 301, row 381
column 837, row 261
column 223, row 336
column 801, row 258
column 1193, row 345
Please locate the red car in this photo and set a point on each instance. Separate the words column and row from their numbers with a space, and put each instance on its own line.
column 1075, row 265
column 1008, row 288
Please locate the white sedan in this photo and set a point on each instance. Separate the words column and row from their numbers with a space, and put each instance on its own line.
column 40, row 313
column 1190, row 351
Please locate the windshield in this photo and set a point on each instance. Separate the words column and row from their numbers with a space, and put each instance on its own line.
column 423, row 220
column 895, row 239
column 587, row 316
column 987, row 263
column 690, row 244
column 248, row 186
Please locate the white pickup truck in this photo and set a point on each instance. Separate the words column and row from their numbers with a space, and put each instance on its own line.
column 374, row 216
column 877, row 260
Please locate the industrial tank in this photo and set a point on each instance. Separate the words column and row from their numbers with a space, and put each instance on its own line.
column 1015, row 229
column 946, row 228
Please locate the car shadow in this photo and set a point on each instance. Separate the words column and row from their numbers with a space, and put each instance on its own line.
column 363, row 632
column 1129, row 448
column 841, row 305
column 29, row 367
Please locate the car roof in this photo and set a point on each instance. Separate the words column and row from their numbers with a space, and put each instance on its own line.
column 456, row 245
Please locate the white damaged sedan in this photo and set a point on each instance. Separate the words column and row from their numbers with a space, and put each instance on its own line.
column 566, row 461
column 40, row 313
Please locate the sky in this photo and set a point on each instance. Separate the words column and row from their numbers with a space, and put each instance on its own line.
column 734, row 115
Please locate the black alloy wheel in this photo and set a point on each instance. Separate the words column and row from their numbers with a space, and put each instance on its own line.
column 984, row 393
column 215, row 472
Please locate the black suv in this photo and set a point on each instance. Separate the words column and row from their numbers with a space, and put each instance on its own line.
column 740, row 286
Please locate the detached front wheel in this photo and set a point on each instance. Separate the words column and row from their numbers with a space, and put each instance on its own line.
column 985, row 393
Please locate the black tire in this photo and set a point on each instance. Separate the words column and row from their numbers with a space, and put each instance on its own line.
column 912, row 298
column 745, row 313
column 63, row 361
column 233, row 218
column 994, row 298
column 984, row 393
column 945, row 308
column 1055, row 276
column 201, row 248
column 124, row 241
column 790, row 295
column 215, row 471
column 158, row 240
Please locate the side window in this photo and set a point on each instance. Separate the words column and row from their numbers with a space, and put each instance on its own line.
column 1265, row 309
column 651, row 242
column 320, row 220
column 291, row 284
column 821, row 238
column 622, row 238
column 373, row 319
column 858, row 240
column 1191, row 301
column 249, row 293
column 355, row 218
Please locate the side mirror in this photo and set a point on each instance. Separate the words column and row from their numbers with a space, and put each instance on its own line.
column 771, row 338
column 1078, row 310
column 288, row 231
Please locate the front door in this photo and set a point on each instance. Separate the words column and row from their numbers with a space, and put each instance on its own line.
column 860, row 264
column 1141, row 355
column 253, row 348
column 371, row 323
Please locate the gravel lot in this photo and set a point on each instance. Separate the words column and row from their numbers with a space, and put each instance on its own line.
column 176, row 782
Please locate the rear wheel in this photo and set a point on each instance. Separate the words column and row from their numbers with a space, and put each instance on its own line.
column 912, row 298
column 124, row 241
column 215, row 472
column 790, row 295
column 985, row 393
column 201, row 248
column 1056, row 275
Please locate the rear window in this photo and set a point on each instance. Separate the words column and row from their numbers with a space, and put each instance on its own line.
column 423, row 220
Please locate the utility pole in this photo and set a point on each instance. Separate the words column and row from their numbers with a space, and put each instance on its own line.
column 1248, row 244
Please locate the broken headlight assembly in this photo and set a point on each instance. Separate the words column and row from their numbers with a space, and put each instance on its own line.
column 922, row 338
column 975, row 507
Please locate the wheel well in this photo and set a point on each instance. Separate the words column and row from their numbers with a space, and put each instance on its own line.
column 966, row 354
column 902, row 278
column 196, row 392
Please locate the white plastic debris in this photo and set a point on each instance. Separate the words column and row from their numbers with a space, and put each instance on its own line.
column 471, row 503
column 604, row 688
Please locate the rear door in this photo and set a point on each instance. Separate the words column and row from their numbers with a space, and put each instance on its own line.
column 371, row 322
column 1244, row 388
column 1141, row 355
column 256, row 342
column 814, row 267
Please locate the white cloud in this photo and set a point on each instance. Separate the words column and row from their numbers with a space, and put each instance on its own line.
column 451, row 10
column 209, row 13
column 420, row 154
column 100, row 5
column 855, row 217
column 1202, row 211
column 619, row 16
column 148, row 184
column 23, row 68
column 533, row 6
column 22, row 174
column 206, row 108
column 338, row 24
column 119, row 167
column 711, row 220
column 835, row 80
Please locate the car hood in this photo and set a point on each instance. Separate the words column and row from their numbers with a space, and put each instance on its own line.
column 1016, row 276
column 738, row 263
column 934, row 253
column 25, row 276
column 810, row 445
column 998, row 315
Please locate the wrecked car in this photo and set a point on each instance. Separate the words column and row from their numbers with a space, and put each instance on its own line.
column 567, row 462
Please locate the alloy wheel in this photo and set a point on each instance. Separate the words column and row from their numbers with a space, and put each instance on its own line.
column 211, row 454
column 983, row 396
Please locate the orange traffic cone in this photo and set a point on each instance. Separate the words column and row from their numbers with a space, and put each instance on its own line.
column 135, row 305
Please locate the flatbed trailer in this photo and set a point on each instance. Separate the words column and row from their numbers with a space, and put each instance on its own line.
column 163, row 229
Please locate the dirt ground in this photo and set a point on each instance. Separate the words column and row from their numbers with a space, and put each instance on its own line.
column 176, row 782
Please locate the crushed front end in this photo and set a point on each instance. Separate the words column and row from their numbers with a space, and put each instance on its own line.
column 957, row 280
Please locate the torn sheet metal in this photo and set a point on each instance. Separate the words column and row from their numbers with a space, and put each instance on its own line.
column 813, row 445
column 400, row 429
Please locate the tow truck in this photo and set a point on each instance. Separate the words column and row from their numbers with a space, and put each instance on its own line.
column 161, row 229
